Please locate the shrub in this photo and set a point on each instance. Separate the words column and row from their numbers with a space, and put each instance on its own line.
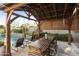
column 62, row 37
column 17, row 30
column 1, row 43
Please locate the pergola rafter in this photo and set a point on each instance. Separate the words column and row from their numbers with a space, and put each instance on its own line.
column 54, row 7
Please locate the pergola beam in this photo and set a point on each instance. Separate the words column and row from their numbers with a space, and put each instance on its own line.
column 27, row 13
column 39, row 29
column 23, row 16
column 14, row 6
column 14, row 19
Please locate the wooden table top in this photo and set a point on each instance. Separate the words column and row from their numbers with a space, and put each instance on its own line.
column 41, row 43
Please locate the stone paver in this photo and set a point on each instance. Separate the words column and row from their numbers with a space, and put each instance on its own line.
column 62, row 47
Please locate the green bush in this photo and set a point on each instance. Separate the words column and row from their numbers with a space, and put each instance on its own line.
column 62, row 37
column 1, row 43
column 29, row 33
column 17, row 30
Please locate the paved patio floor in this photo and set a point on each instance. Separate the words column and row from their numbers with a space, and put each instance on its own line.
column 63, row 46
column 61, row 51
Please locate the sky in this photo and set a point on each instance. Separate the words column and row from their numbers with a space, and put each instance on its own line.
column 18, row 20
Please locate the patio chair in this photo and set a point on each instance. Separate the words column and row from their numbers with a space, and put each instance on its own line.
column 52, row 48
column 18, row 43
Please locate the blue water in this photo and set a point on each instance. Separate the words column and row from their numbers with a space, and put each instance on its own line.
column 13, row 38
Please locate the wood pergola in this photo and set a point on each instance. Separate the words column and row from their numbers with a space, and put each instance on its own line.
column 40, row 11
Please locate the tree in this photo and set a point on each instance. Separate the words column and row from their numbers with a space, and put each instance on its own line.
column 14, row 25
column 2, row 29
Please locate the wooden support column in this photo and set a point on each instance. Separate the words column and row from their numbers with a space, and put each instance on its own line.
column 39, row 29
column 78, row 19
column 8, row 43
column 69, row 31
column 24, row 32
column 69, row 37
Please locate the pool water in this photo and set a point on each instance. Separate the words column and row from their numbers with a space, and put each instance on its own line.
column 14, row 38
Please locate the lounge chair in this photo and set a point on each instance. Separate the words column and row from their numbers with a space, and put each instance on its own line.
column 18, row 43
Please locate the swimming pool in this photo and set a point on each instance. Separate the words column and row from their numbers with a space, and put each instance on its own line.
column 14, row 37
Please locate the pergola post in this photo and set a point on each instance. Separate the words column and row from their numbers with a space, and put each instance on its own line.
column 24, row 32
column 69, row 37
column 69, row 31
column 39, row 29
column 8, row 33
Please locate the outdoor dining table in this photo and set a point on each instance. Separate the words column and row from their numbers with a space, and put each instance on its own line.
column 38, row 46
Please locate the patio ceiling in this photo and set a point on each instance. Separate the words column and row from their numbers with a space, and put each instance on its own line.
column 42, row 11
